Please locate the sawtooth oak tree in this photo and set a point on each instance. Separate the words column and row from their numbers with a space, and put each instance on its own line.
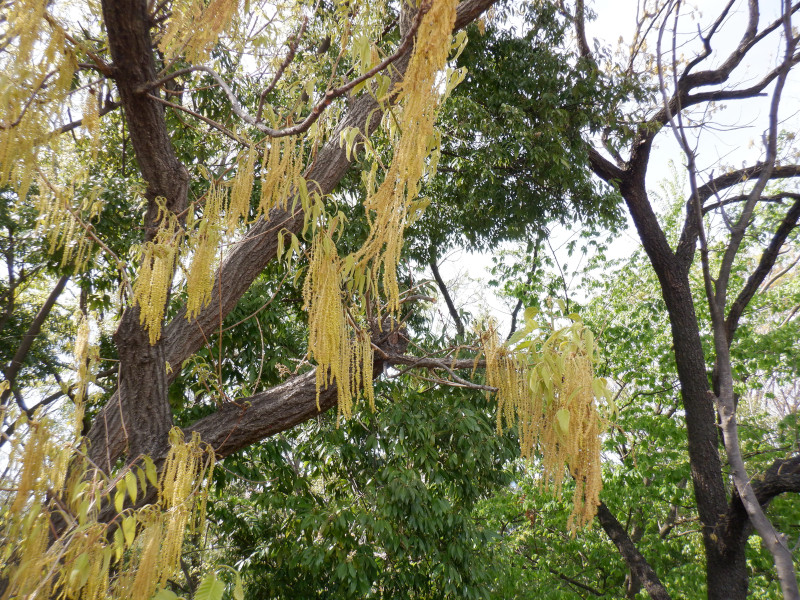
column 173, row 164
column 242, row 119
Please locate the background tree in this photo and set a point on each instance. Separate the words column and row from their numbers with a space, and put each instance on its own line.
column 685, row 89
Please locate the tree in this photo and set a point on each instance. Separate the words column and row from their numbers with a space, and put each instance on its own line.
column 135, row 57
column 322, row 92
column 172, row 301
column 685, row 91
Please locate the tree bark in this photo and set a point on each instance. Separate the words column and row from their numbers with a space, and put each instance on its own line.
column 143, row 406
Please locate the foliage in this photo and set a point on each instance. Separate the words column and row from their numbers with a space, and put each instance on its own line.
column 132, row 556
column 379, row 507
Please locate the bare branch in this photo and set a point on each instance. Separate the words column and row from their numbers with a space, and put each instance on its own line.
column 105, row 109
column 279, row 73
column 765, row 265
column 319, row 108
column 774, row 199
column 775, row 542
column 447, row 299
column 212, row 122
column 686, row 245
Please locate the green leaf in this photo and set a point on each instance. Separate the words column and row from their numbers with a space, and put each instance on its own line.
column 130, row 483
column 150, row 470
column 211, row 588
column 165, row 595
column 562, row 418
column 238, row 589
column 530, row 313
column 80, row 572
column 129, row 529
column 119, row 499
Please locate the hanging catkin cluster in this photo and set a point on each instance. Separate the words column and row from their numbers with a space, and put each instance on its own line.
column 87, row 562
column 343, row 353
column 388, row 207
column 204, row 241
column 194, row 26
column 282, row 168
column 61, row 225
column 342, row 350
column 547, row 388
column 152, row 285
column 35, row 79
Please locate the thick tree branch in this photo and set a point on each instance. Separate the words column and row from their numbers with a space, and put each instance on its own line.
column 637, row 563
column 142, row 385
column 245, row 421
column 783, row 476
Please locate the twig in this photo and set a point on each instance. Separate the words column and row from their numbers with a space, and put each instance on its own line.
column 320, row 107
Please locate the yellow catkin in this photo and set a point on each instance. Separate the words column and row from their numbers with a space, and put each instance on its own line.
column 541, row 389
column 58, row 223
column 341, row 353
column 194, row 27
column 91, row 121
column 204, row 241
column 84, row 562
column 241, row 190
column 280, row 171
column 83, row 364
column 151, row 288
column 420, row 95
column 32, row 463
column 35, row 81
column 327, row 329
column 146, row 580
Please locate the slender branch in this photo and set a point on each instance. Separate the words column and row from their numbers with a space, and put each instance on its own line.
column 576, row 583
column 212, row 122
column 100, row 64
column 447, row 299
column 279, row 73
column 686, row 244
column 13, row 368
column 775, row 198
column 531, row 275
column 707, row 40
column 319, row 108
column 450, row 366
column 765, row 265
column 105, row 109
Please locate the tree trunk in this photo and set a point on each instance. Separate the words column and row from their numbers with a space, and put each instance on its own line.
column 726, row 568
